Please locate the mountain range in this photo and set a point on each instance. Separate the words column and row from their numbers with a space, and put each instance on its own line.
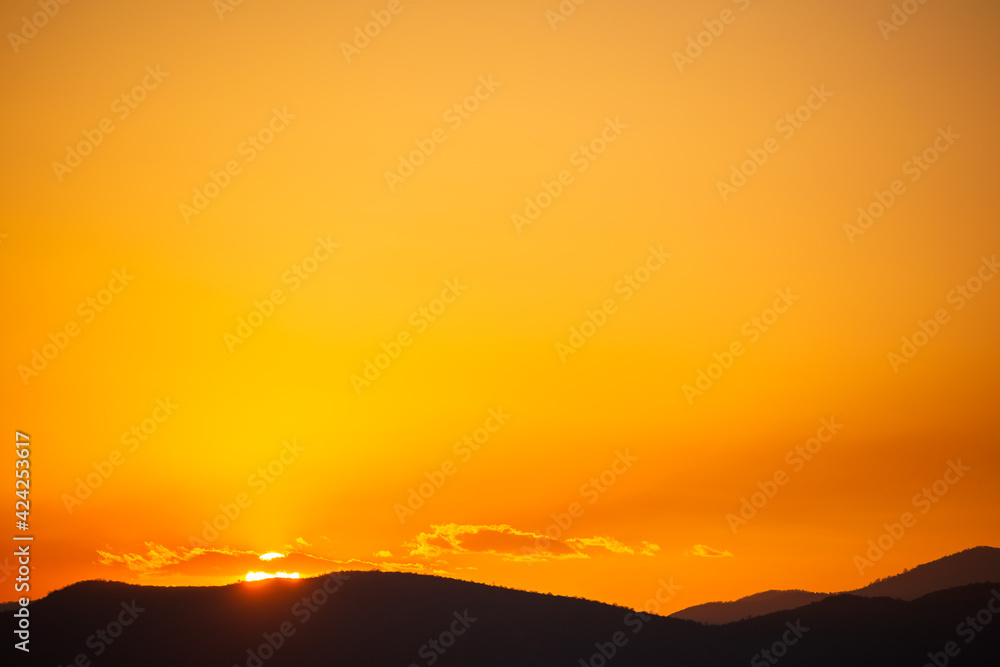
column 966, row 567
column 381, row 619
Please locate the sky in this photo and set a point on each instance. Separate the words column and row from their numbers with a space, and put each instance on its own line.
column 606, row 300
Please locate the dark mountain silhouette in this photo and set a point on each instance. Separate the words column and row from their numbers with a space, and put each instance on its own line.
column 379, row 619
column 966, row 567
column 979, row 564
column 757, row 604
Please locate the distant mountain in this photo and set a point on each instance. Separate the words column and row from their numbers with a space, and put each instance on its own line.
column 757, row 604
column 966, row 567
column 979, row 564
column 377, row 619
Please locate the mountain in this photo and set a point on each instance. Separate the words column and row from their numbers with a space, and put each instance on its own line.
column 966, row 567
column 380, row 619
column 979, row 564
column 757, row 604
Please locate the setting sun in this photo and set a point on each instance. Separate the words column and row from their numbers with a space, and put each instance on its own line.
column 257, row 576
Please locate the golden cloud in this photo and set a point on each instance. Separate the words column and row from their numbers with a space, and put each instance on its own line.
column 512, row 544
column 708, row 552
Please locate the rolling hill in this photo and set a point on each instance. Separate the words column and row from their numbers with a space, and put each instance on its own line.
column 979, row 564
column 379, row 619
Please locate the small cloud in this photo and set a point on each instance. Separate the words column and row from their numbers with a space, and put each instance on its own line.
column 649, row 549
column 271, row 556
column 612, row 545
column 383, row 554
column 708, row 552
column 301, row 542
column 157, row 558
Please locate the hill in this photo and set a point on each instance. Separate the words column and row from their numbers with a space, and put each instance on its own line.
column 376, row 619
column 965, row 567
column 979, row 564
column 757, row 604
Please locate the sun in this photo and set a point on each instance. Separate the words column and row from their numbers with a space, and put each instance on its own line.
column 257, row 576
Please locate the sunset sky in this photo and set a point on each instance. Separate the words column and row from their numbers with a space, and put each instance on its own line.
column 256, row 264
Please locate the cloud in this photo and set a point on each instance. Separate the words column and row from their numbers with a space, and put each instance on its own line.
column 708, row 552
column 648, row 548
column 427, row 552
column 156, row 559
column 159, row 560
column 612, row 545
column 514, row 545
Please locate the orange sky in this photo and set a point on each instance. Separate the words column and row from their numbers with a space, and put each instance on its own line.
column 550, row 230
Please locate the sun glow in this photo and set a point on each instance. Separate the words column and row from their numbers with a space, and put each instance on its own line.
column 271, row 556
column 257, row 576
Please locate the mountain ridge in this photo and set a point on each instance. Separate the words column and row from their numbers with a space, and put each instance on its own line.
column 374, row 619
column 973, row 565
